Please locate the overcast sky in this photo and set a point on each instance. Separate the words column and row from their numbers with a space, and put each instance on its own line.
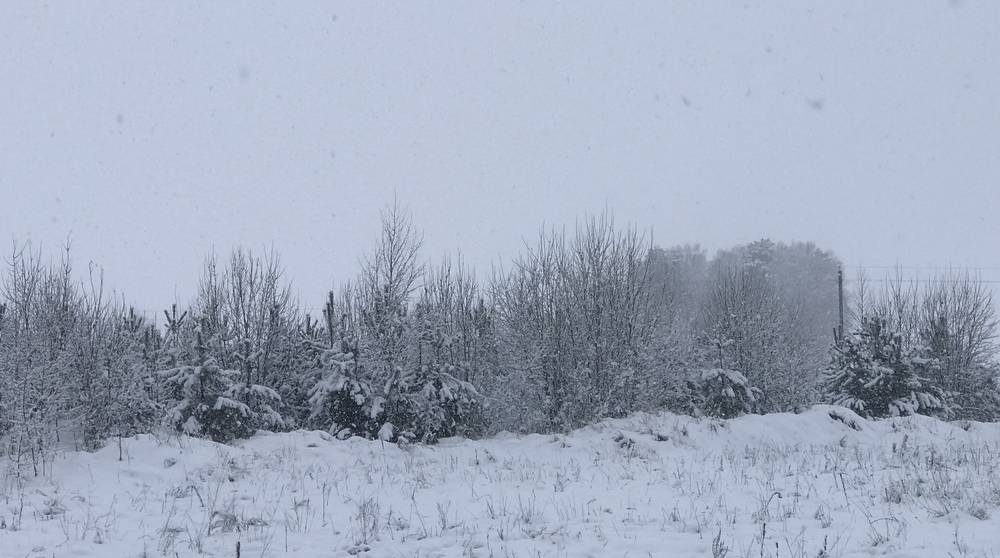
column 153, row 132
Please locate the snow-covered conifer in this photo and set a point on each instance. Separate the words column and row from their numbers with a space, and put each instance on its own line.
column 875, row 375
column 723, row 393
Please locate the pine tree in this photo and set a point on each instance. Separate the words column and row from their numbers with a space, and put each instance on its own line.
column 437, row 404
column 130, row 405
column 204, row 403
column 875, row 375
column 723, row 393
column 342, row 400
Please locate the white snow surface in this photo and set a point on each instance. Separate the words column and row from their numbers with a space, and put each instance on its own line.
column 784, row 485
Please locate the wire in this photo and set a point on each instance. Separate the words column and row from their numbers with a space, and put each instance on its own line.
column 916, row 280
column 928, row 267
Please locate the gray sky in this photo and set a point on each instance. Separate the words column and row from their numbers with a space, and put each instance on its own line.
column 152, row 132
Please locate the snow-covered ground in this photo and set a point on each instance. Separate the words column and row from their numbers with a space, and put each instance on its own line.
column 806, row 485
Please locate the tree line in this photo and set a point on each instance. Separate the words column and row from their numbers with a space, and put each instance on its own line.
column 595, row 323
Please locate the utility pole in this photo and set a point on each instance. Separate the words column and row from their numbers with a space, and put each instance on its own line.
column 840, row 302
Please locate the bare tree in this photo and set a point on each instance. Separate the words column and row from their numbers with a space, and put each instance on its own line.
column 534, row 337
column 36, row 353
column 745, row 323
column 575, row 318
column 959, row 320
column 388, row 279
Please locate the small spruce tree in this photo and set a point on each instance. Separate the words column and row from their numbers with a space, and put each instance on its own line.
column 341, row 400
column 723, row 393
column 204, row 405
column 875, row 375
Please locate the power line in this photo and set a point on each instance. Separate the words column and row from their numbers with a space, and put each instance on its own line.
column 912, row 274
column 928, row 267
column 917, row 280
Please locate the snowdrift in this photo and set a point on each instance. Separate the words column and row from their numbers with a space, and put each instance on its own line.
column 822, row 483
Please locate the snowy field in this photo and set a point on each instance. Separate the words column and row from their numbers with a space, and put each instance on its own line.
column 808, row 485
